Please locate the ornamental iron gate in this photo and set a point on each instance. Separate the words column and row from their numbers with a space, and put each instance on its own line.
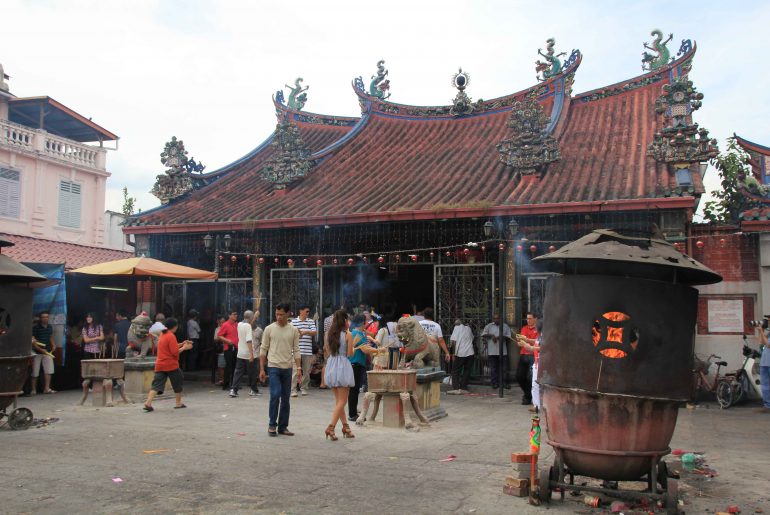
column 466, row 292
column 296, row 286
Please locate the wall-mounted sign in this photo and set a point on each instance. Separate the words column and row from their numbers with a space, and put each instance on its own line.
column 725, row 316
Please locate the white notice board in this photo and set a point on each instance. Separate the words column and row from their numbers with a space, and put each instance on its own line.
column 725, row 316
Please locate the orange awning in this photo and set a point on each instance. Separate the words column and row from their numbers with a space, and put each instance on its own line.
column 145, row 267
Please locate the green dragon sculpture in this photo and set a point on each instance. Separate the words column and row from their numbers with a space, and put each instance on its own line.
column 652, row 62
column 297, row 97
column 379, row 84
column 553, row 65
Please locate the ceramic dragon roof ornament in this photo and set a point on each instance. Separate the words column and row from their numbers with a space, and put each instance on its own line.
column 462, row 104
column 291, row 157
column 176, row 181
column 682, row 142
column 552, row 66
column 531, row 148
column 297, row 95
column 652, row 62
column 380, row 85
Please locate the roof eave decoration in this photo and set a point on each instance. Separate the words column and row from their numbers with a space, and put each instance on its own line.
column 531, row 147
column 380, row 86
column 297, row 95
column 552, row 66
column 290, row 160
column 652, row 62
column 682, row 142
column 178, row 179
column 462, row 104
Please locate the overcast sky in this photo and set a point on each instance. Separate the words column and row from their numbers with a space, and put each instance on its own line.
column 204, row 71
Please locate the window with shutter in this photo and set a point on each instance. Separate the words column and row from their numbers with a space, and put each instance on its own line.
column 10, row 193
column 69, row 204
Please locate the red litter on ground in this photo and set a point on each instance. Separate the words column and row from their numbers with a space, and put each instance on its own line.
column 241, row 434
column 451, row 457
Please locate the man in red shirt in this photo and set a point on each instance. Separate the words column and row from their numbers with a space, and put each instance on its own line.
column 526, row 359
column 167, row 365
column 228, row 335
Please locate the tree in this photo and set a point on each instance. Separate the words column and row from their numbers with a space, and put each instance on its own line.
column 129, row 203
column 737, row 179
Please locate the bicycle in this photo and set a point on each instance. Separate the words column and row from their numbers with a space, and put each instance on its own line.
column 720, row 386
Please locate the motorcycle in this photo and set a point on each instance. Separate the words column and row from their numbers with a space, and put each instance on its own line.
column 745, row 381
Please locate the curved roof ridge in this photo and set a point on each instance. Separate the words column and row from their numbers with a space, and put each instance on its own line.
column 762, row 149
column 544, row 89
column 283, row 110
column 687, row 51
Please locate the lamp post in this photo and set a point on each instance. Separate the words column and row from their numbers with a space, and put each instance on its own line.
column 489, row 230
column 215, row 245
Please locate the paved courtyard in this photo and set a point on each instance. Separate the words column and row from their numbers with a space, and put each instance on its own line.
column 216, row 457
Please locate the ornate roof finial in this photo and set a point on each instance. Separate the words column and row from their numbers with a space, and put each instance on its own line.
column 3, row 76
column 531, row 149
column 553, row 66
column 462, row 104
column 176, row 181
column 652, row 62
column 682, row 143
column 290, row 160
column 380, row 84
column 297, row 97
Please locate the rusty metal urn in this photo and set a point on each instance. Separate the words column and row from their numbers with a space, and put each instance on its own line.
column 617, row 351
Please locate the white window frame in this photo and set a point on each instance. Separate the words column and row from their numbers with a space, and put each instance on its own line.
column 69, row 214
column 10, row 193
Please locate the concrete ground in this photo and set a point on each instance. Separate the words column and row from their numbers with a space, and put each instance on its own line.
column 216, row 457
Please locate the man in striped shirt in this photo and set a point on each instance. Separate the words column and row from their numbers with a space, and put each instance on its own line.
column 307, row 332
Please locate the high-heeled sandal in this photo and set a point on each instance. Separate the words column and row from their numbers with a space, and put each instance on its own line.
column 330, row 433
column 346, row 432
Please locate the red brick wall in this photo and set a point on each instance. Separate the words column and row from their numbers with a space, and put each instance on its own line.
column 734, row 256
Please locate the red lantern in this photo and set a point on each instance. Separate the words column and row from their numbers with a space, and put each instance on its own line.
column 365, row 259
column 319, row 262
column 335, row 261
column 261, row 260
column 351, row 261
column 722, row 242
column 533, row 248
column 448, row 254
column 276, row 260
column 380, row 259
column 221, row 257
column 413, row 257
column 290, row 262
column 233, row 259
column 519, row 248
column 466, row 251
column 483, row 248
column 501, row 246
column 248, row 257
column 304, row 261
column 398, row 257
column 432, row 254
column 699, row 244
column 551, row 248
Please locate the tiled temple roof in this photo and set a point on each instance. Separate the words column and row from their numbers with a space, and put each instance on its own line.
column 407, row 162
column 72, row 255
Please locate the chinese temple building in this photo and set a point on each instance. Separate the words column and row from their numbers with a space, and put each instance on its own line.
column 413, row 206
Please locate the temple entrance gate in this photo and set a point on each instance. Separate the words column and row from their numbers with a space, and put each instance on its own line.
column 296, row 286
column 466, row 291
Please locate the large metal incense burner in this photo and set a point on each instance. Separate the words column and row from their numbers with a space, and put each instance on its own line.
column 616, row 361
column 15, row 335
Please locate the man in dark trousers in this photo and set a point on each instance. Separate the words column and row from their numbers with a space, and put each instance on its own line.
column 526, row 359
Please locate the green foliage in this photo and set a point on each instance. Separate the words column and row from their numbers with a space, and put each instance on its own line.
column 734, row 171
column 129, row 203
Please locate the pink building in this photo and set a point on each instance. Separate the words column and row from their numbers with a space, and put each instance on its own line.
column 53, row 170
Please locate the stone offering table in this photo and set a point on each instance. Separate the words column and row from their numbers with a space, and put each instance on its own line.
column 394, row 388
column 139, row 374
column 428, row 392
column 98, row 375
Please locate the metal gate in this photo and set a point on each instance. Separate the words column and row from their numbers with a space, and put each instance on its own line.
column 466, row 292
column 174, row 299
column 536, row 292
column 296, row 286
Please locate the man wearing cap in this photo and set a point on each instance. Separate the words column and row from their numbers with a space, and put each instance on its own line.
column 462, row 343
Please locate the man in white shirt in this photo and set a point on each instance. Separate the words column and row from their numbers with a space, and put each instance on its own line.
column 244, row 363
column 158, row 327
column 194, row 335
column 432, row 329
column 491, row 334
column 462, row 342
column 307, row 331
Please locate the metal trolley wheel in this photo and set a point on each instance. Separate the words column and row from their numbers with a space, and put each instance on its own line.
column 20, row 418
column 544, row 485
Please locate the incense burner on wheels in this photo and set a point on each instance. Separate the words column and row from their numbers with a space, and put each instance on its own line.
column 616, row 361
